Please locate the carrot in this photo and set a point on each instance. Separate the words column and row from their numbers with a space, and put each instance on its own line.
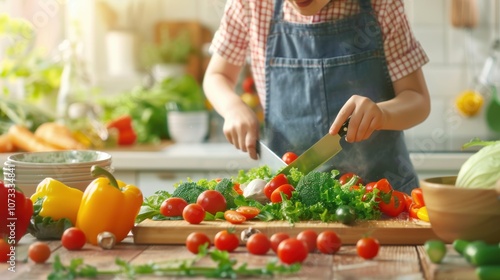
column 58, row 135
column 6, row 145
column 24, row 139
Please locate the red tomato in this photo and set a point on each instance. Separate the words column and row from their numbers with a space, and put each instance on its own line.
column 289, row 157
column 292, row 251
column 248, row 85
column 173, row 206
column 73, row 238
column 309, row 237
column 286, row 189
column 4, row 250
column 212, row 201
column 226, row 241
column 408, row 201
column 275, row 182
column 367, row 247
column 346, row 177
column 258, row 244
column 418, row 197
column 234, row 217
column 328, row 242
column 369, row 186
column 395, row 206
column 276, row 240
column 193, row 213
column 249, row 212
column 383, row 186
column 195, row 240
column 39, row 252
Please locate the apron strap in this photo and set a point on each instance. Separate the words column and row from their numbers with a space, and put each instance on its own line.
column 278, row 8
column 366, row 5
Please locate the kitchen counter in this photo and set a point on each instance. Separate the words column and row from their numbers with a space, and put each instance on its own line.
column 392, row 262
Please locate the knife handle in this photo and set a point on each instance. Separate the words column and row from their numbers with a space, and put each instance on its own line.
column 343, row 128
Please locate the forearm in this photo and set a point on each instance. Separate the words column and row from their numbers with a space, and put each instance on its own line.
column 219, row 85
column 410, row 107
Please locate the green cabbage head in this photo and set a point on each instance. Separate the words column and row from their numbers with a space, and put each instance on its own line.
column 482, row 169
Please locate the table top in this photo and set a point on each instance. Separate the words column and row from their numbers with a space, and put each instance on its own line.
column 392, row 262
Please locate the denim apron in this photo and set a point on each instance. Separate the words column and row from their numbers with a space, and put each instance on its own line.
column 311, row 71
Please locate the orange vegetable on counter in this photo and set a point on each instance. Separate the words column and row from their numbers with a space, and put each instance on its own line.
column 108, row 205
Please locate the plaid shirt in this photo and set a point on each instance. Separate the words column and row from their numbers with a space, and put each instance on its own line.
column 245, row 26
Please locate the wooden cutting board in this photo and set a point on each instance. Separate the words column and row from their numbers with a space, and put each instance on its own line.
column 388, row 232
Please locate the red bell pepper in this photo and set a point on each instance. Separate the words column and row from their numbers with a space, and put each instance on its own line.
column 126, row 132
column 15, row 213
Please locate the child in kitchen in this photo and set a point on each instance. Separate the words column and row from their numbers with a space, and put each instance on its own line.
column 315, row 64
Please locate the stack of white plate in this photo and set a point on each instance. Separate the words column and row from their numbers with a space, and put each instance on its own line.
column 72, row 167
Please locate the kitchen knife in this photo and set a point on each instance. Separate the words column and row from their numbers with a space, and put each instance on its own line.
column 319, row 153
column 269, row 158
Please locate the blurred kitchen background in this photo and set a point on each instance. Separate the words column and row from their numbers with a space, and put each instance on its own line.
column 457, row 35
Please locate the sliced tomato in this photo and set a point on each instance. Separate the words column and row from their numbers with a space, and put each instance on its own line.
column 234, row 217
column 383, row 185
column 408, row 201
column 418, row 197
column 286, row 189
column 237, row 188
column 249, row 212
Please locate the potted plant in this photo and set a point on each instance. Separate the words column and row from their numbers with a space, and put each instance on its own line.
column 169, row 57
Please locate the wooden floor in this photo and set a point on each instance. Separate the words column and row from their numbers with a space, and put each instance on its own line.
column 392, row 262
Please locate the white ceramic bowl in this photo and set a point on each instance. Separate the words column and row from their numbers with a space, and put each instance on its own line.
column 69, row 158
column 188, row 127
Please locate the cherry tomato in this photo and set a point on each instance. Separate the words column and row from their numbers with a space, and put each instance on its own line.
column 226, row 241
column 212, row 201
column 328, row 242
column 173, row 206
column 367, row 247
column 346, row 177
column 193, row 213
column 195, row 240
column 408, row 201
column 418, row 197
column 309, row 237
column 234, row 217
column 4, row 250
column 248, row 84
column 73, row 238
column 39, row 252
column 289, row 157
column 249, row 212
column 292, row 251
column 369, row 186
column 258, row 244
column 286, row 189
column 395, row 206
column 275, row 182
column 383, row 186
column 276, row 240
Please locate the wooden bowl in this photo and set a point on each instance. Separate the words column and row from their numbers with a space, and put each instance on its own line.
column 461, row 213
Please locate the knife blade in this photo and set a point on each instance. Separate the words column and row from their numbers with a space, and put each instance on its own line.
column 269, row 158
column 323, row 150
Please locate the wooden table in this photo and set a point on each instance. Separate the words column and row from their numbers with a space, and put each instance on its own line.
column 392, row 262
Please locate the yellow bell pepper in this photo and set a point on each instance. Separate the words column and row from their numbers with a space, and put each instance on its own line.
column 59, row 200
column 422, row 214
column 108, row 205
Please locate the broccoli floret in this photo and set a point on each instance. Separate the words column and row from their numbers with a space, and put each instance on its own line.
column 225, row 187
column 189, row 191
column 310, row 186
